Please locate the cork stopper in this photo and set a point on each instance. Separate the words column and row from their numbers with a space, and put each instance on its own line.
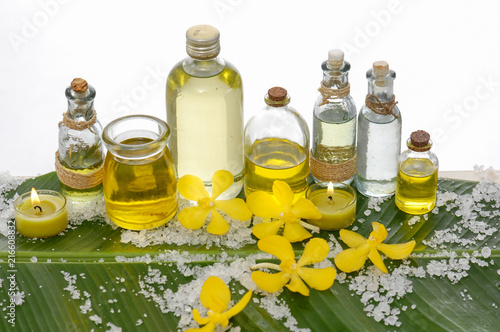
column 79, row 85
column 202, row 42
column 277, row 93
column 420, row 141
column 380, row 68
column 336, row 58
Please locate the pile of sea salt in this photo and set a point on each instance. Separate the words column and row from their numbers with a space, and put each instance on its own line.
column 7, row 183
column 238, row 235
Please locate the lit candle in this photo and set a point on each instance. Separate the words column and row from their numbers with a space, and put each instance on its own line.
column 336, row 202
column 41, row 214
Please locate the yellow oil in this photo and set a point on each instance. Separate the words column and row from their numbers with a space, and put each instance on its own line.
column 205, row 115
column 416, row 186
column 140, row 195
column 82, row 195
column 276, row 159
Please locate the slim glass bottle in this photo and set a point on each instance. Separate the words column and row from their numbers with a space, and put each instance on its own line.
column 379, row 135
column 205, row 111
column 276, row 146
column 80, row 148
column 334, row 124
column 418, row 175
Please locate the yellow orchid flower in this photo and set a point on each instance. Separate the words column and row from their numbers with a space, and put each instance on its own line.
column 354, row 258
column 284, row 213
column 191, row 187
column 215, row 296
column 315, row 251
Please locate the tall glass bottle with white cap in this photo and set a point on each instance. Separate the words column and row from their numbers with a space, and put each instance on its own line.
column 334, row 124
column 205, row 111
column 379, row 135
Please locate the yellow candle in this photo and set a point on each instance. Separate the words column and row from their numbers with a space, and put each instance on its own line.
column 336, row 204
column 41, row 214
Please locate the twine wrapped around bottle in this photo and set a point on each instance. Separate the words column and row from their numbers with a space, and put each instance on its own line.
column 328, row 93
column 333, row 172
column 78, row 125
column 72, row 179
column 379, row 107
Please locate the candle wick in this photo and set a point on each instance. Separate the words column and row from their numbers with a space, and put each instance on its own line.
column 37, row 206
column 330, row 200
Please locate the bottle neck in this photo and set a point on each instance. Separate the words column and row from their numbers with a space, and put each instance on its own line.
column 382, row 87
column 203, row 68
column 335, row 77
column 80, row 105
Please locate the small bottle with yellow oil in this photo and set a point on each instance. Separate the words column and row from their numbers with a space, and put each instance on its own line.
column 276, row 146
column 418, row 175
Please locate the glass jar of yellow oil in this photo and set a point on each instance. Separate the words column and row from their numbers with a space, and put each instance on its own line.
column 140, row 189
column 276, row 147
column 417, row 176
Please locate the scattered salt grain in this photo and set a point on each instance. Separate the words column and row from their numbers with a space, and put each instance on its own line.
column 113, row 328
column 486, row 252
column 33, row 259
column 139, row 322
column 96, row 319
column 413, row 220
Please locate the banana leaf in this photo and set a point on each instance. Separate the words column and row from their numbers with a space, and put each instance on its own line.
column 87, row 253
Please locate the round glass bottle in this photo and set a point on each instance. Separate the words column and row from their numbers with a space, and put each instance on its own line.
column 80, row 151
column 140, row 189
column 334, row 124
column 418, row 175
column 379, row 135
column 205, row 111
column 276, row 146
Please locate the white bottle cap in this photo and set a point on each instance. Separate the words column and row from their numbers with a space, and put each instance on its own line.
column 380, row 68
column 336, row 57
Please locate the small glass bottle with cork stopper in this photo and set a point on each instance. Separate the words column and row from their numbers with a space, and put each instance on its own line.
column 379, row 135
column 333, row 155
column 417, row 176
column 277, row 146
column 80, row 157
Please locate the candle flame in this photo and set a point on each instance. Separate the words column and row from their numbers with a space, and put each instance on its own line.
column 34, row 197
column 329, row 190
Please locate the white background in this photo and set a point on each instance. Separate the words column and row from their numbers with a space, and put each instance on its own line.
column 446, row 55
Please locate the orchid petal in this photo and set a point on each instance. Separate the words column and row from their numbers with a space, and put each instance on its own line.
column 277, row 246
column 215, row 294
column 191, row 187
column 283, row 194
column 270, row 282
column 264, row 205
column 295, row 232
column 397, row 251
column 319, row 279
column 266, row 229
column 376, row 259
column 380, row 230
column 200, row 320
column 221, row 181
column 238, row 307
column 193, row 217
column 236, row 208
column 297, row 285
column 351, row 238
column 352, row 259
column 315, row 251
column 304, row 208
column 218, row 225
column 210, row 327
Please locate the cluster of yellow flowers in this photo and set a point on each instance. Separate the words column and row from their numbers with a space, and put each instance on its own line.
column 277, row 211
